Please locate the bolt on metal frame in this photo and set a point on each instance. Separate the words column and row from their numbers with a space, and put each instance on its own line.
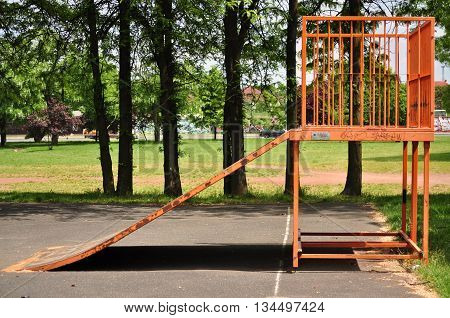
column 361, row 91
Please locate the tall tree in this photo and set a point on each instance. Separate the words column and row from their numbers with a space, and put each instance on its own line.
column 236, row 26
column 291, row 88
column 125, row 171
column 99, row 101
column 78, row 23
column 353, row 183
column 169, row 110
column 158, row 29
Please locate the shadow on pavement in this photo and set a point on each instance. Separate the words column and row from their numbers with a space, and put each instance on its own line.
column 233, row 257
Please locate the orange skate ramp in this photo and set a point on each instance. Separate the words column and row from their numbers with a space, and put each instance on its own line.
column 55, row 257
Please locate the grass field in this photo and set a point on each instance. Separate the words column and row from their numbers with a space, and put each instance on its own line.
column 71, row 173
column 73, row 167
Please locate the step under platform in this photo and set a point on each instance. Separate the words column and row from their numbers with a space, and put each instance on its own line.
column 373, row 247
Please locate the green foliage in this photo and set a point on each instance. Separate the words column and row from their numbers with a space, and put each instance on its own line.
column 268, row 108
column 442, row 98
column 437, row 9
column 210, row 97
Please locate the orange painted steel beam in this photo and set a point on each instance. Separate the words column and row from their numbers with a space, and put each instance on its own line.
column 355, row 35
column 426, row 198
column 356, row 133
column 414, row 174
column 360, row 256
column 361, row 18
column 353, row 244
column 55, row 263
column 351, row 234
column 411, row 243
column 404, row 184
column 295, row 204
column 303, row 117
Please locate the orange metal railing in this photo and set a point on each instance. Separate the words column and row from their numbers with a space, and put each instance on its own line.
column 373, row 72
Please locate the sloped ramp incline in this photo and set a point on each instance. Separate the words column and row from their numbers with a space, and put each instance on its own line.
column 55, row 257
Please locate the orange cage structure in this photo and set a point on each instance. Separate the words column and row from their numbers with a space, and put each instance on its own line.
column 368, row 79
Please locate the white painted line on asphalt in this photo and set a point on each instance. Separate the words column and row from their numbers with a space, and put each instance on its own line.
column 285, row 239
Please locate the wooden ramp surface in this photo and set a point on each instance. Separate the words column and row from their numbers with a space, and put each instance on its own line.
column 55, row 257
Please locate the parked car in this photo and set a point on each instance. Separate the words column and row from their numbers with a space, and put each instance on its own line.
column 271, row 133
column 92, row 134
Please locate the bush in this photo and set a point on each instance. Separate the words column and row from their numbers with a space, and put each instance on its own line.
column 55, row 120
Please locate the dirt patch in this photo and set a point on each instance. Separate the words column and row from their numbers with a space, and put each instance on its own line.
column 148, row 181
column 336, row 177
column 22, row 180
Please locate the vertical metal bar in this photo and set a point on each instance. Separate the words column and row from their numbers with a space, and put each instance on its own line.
column 332, row 80
column 384, row 75
column 404, row 184
column 323, row 81
column 315, row 79
column 419, row 79
column 341, row 93
column 374, row 76
column 408, row 74
column 361, row 77
column 316, row 110
column 351, row 75
column 370, row 81
column 397, row 74
column 415, row 161
column 426, row 197
column 303, row 72
column 431, row 57
column 379, row 81
column 389, row 83
column 328, row 76
column 295, row 207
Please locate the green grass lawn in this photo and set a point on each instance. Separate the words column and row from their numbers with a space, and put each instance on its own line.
column 73, row 167
column 71, row 173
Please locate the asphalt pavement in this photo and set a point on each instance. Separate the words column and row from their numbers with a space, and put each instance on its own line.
column 194, row 251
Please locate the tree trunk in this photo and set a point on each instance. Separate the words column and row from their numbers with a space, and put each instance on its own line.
column 125, row 172
column 215, row 132
column 233, row 132
column 2, row 132
column 99, row 103
column 166, row 64
column 353, row 184
column 157, row 134
column 291, row 89
column 157, row 125
column 55, row 139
